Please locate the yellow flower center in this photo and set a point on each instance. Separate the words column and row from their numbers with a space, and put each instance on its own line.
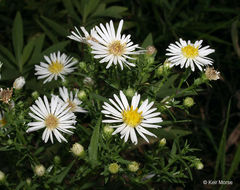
column 116, row 48
column 51, row 122
column 132, row 117
column 72, row 106
column 190, row 51
column 3, row 122
column 55, row 67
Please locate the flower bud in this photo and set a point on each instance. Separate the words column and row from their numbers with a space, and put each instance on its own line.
column 19, row 83
column 2, row 176
column 199, row 165
column 159, row 71
column 133, row 166
column 167, row 64
column 82, row 65
column 77, row 149
column 130, row 92
column 107, row 130
column 57, row 160
column 82, row 95
column 28, row 181
column 88, row 81
column 188, row 102
column 35, row 95
column 39, row 170
column 113, row 168
column 65, row 82
column 162, row 142
column 150, row 50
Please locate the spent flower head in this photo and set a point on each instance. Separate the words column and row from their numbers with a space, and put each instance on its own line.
column 212, row 74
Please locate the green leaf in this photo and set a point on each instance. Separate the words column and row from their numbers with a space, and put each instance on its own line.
column 36, row 56
column 148, row 41
column 56, row 27
column 8, row 54
column 234, row 34
column 89, row 8
column 113, row 11
column 69, row 6
column 93, row 147
column 17, row 36
column 27, row 51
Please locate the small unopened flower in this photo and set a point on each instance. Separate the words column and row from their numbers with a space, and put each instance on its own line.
column 113, row 168
column 19, row 83
column 57, row 159
column 35, row 95
column 2, row 119
column 82, row 65
column 2, row 176
column 57, row 65
column 162, row 142
column 88, row 81
column 108, row 131
column 6, row 95
column 185, row 53
column 130, row 92
column 133, row 166
column 212, row 74
column 82, row 95
column 188, row 102
column 150, row 50
column 160, row 71
column 167, row 64
column 39, row 170
column 77, row 149
column 199, row 165
column 28, row 181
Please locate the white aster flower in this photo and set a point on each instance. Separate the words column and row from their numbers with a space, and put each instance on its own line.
column 57, row 66
column 72, row 101
column 132, row 118
column 79, row 38
column 53, row 116
column 187, row 54
column 112, row 47
column 19, row 83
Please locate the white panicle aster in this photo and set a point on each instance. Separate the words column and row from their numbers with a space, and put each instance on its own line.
column 79, row 38
column 187, row 54
column 53, row 116
column 112, row 47
column 73, row 101
column 57, row 66
column 132, row 118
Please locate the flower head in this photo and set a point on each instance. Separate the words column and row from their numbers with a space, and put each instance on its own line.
column 39, row 170
column 57, row 66
column 6, row 95
column 79, row 38
column 113, row 168
column 53, row 116
column 188, row 54
column 132, row 118
column 112, row 47
column 19, row 83
column 212, row 74
column 73, row 101
column 133, row 166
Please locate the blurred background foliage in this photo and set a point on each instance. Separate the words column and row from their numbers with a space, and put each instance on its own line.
column 30, row 29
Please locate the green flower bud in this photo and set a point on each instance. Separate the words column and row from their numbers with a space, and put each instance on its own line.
column 113, row 168
column 28, row 181
column 9, row 141
column 39, row 170
column 2, row 176
column 107, row 130
column 130, row 92
column 57, row 160
column 82, row 95
column 162, row 142
column 65, row 82
column 167, row 64
column 150, row 60
column 159, row 71
column 35, row 95
column 82, row 65
column 188, row 102
column 77, row 149
column 199, row 165
column 133, row 166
